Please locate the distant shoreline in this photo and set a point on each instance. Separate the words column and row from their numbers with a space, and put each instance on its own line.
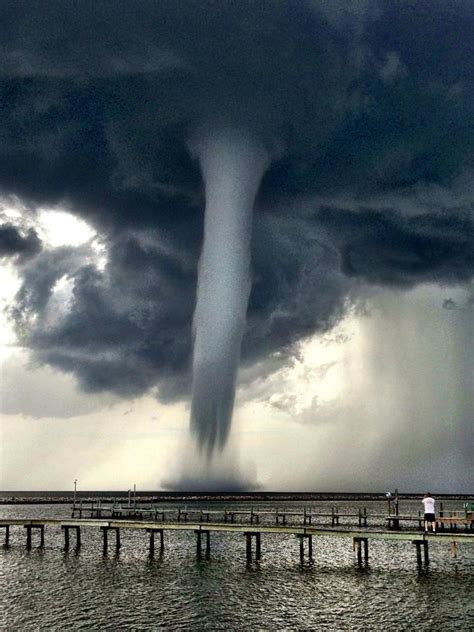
column 66, row 497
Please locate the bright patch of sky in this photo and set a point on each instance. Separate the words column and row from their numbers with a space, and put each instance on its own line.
column 60, row 228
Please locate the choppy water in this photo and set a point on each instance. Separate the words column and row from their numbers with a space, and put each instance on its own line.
column 48, row 589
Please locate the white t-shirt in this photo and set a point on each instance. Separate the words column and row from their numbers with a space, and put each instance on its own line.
column 429, row 504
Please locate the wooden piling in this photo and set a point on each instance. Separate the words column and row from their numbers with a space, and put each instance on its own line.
column 258, row 545
column 249, row 546
column 28, row 536
column 29, row 529
column 66, row 538
column 7, row 535
column 78, row 538
column 199, row 533
column 66, row 529
column 105, row 533
column 419, row 544
column 309, row 538
column 358, row 544
column 152, row 533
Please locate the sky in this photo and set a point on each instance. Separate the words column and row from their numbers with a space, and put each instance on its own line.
column 354, row 347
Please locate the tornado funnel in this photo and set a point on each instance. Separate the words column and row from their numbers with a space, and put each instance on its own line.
column 232, row 165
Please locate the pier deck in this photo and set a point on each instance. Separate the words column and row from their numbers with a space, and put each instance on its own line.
column 253, row 532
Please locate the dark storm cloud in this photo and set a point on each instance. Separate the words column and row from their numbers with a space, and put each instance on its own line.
column 358, row 100
column 12, row 242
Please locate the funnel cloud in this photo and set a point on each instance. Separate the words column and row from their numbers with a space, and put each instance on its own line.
column 232, row 166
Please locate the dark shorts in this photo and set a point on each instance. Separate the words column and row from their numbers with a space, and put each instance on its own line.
column 430, row 517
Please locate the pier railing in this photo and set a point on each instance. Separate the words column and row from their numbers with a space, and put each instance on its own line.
column 283, row 516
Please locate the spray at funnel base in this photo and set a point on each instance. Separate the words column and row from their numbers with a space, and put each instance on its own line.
column 232, row 165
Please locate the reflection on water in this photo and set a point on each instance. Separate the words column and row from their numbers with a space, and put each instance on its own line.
column 52, row 590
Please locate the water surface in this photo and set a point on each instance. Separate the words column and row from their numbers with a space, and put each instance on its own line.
column 48, row 589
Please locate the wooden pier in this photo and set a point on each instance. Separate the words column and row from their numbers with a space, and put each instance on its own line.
column 305, row 516
column 252, row 532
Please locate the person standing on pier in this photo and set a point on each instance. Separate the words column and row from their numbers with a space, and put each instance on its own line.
column 430, row 516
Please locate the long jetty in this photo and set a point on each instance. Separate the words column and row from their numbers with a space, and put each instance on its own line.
column 392, row 520
column 252, row 532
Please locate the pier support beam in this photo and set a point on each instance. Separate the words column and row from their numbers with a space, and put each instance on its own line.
column 105, row 533
column 7, row 535
column 249, row 535
column 152, row 540
column 362, row 517
column 357, row 546
column 199, row 533
column 254, row 517
column 309, row 539
column 66, row 537
column 418, row 544
column 29, row 528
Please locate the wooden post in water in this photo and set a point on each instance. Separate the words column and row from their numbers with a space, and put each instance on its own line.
column 29, row 529
column 419, row 544
column 199, row 533
column 302, row 537
column 152, row 540
column 66, row 538
column 7, row 536
column 362, row 517
column 357, row 545
column 249, row 546
column 258, row 545
column 105, row 533
column 28, row 537
column 425, row 552
column 198, row 542
column 78, row 538
column 396, row 521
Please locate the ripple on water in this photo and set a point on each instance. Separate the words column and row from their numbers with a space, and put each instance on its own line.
column 51, row 590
